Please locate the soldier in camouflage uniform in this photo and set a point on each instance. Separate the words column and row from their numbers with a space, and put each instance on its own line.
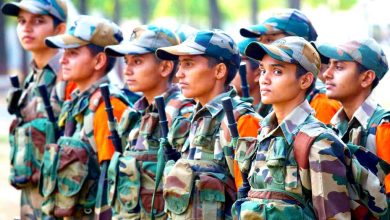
column 292, row 22
column 36, row 21
column 279, row 189
column 252, row 74
column 200, row 185
column 134, row 172
column 70, row 168
column 355, row 69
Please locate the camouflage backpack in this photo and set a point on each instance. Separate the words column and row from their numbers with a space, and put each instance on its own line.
column 132, row 174
column 70, row 168
column 204, row 186
column 29, row 134
column 365, row 172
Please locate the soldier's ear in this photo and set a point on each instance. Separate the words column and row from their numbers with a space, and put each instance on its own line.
column 220, row 71
column 306, row 80
column 367, row 78
column 101, row 61
column 166, row 67
column 60, row 28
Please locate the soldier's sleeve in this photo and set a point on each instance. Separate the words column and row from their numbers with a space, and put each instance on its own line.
column 248, row 126
column 327, row 178
column 105, row 148
column 383, row 147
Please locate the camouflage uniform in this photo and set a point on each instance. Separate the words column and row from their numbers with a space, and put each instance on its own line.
column 133, row 174
column 279, row 189
column 140, row 157
column 28, row 132
column 200, row 185
column 370, row 123
column 70, row 169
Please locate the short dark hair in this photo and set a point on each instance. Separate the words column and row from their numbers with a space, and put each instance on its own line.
column 302, row 71
column 231, row 69
column 95, row 50
column 56, row 21
column 361, row 69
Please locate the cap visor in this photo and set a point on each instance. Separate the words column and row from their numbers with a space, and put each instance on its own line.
column 13, row 8
column 323, row 58
column 249, row 33
column 173, row 52
column 125, row 49
column 258, row 50
column 332, row 52
column 65, row 41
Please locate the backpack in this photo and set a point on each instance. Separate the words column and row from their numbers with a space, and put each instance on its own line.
column 365, row 173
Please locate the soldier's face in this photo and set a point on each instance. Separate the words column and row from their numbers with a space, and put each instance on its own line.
column 78, row 64
column 342, row 80
column 32, row 29
column 278, row 82
column 196, row 79
column 142, row 72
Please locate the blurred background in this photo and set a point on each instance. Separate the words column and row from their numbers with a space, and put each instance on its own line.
column 334, row 20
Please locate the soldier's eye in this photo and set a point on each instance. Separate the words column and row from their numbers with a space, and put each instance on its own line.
column 21, row 21
column 137, row 61
column 277, row 72
column 339, row 67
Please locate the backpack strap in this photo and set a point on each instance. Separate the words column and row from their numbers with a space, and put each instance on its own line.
column 303, row 141
column 302, row 144
column 379, row 114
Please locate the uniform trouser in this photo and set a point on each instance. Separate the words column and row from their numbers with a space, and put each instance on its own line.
column 30, row 207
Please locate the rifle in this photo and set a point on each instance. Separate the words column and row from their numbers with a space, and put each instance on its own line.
column 165, row 152
column 16, row 92
column 232, row 125
column 244, row 81
column 49, row 110
column 103, row 210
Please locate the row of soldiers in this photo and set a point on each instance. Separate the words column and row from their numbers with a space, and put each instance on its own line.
column 215, row 155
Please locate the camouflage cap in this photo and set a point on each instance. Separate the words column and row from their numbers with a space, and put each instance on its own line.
column 244, row 43
column 365, row 51
column 184, row 31
column 144, row 39
column 215, row 43
column 87, row 30
column 56, row 8
column 288, row 49
column 290, row 21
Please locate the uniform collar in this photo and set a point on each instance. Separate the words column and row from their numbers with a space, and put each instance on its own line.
column 290, row 125
column 362, row 115
column 215, row 105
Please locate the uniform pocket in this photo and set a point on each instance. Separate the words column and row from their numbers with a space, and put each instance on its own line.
column 124, row 179
column 244, row 152
column 178, row 186
column 72, row 171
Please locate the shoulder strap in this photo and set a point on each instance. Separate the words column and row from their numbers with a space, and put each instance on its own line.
column 303, row 142
column 379, row 114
